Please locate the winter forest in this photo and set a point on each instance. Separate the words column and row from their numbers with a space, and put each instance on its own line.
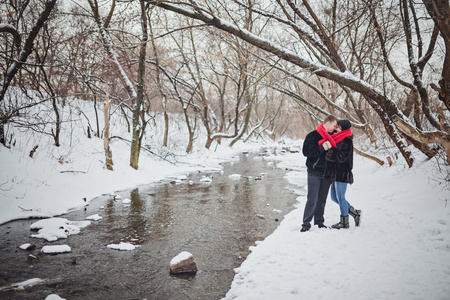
column 150, row 129
column 233, row 69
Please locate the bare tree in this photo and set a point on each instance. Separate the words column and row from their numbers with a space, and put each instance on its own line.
column 136, row 97
column 328, row 62
column 160, row 84
column 139, row 122
column 24, row 49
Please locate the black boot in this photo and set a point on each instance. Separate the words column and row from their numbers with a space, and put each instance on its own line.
column 342, row 224
column 356, row 214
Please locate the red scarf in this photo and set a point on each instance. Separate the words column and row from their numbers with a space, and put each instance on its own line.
column 335, row 138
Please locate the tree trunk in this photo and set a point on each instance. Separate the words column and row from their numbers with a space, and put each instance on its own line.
column 439, row 10
column 96, row 117
column 425, row 137
column 161, row 91
column 138, row 128
column 209, row 141
column 135, row 147
column 391, row 130
column 205, row 119
column 57, row 131
column 108, row 153
column 166, row 129
column 246, row 120
column 190, row 145
column 2, row 134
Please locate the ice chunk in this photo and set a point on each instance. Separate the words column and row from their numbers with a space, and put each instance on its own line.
column 95, row 217
column 122, row 246
column 54, row 249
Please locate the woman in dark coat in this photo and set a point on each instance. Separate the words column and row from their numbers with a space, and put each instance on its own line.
column 339, row 169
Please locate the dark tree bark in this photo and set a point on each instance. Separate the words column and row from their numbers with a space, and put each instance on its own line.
column 439, row 11
column 27, row 48
column 139, row 123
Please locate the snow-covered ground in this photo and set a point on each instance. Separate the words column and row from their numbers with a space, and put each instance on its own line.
column 400, row 251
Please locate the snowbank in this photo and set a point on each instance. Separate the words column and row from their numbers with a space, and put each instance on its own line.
column 400, row 251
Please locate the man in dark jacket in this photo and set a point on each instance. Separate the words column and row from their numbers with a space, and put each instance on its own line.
column 315, row 147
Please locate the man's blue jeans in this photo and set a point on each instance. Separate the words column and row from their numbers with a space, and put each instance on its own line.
column 338, row 190
column 318, row 188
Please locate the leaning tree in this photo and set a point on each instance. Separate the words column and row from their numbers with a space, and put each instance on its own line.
column 305, row 22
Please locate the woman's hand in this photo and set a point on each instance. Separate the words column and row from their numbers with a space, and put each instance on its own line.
column 327, row 145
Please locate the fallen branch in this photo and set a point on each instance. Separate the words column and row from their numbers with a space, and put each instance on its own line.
column 34, row 150
column 1, row 189
column 25, row 209
column 379, row 161
column 142, row 147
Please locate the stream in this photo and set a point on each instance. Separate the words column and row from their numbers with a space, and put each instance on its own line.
column 217, row 222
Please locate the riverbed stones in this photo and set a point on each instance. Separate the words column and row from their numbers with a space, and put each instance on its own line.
column 28, row 247
column 32, row 258
column 183, row 263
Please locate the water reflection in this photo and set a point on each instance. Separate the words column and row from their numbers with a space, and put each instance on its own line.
column 217, row 222
column 137, row 218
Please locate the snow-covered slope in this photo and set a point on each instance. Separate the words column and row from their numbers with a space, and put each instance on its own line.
column 400, row 251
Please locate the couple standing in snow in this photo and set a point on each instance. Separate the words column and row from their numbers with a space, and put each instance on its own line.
column 329, row 159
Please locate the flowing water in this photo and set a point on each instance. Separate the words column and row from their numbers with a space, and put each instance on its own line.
column 216, row 222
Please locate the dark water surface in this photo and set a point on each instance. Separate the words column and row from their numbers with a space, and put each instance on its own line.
column 216, row 222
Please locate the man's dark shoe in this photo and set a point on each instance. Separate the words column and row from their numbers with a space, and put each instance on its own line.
column 304, row 229
column 322, row 226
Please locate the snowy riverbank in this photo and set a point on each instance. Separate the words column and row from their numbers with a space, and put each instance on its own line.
column 43, row 186
column 400, row 251
column 40, row 180
column 402, row 248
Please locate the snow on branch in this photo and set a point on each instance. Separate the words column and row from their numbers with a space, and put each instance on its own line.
column 107, row 43
column 12, row 30
column 345, row 78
